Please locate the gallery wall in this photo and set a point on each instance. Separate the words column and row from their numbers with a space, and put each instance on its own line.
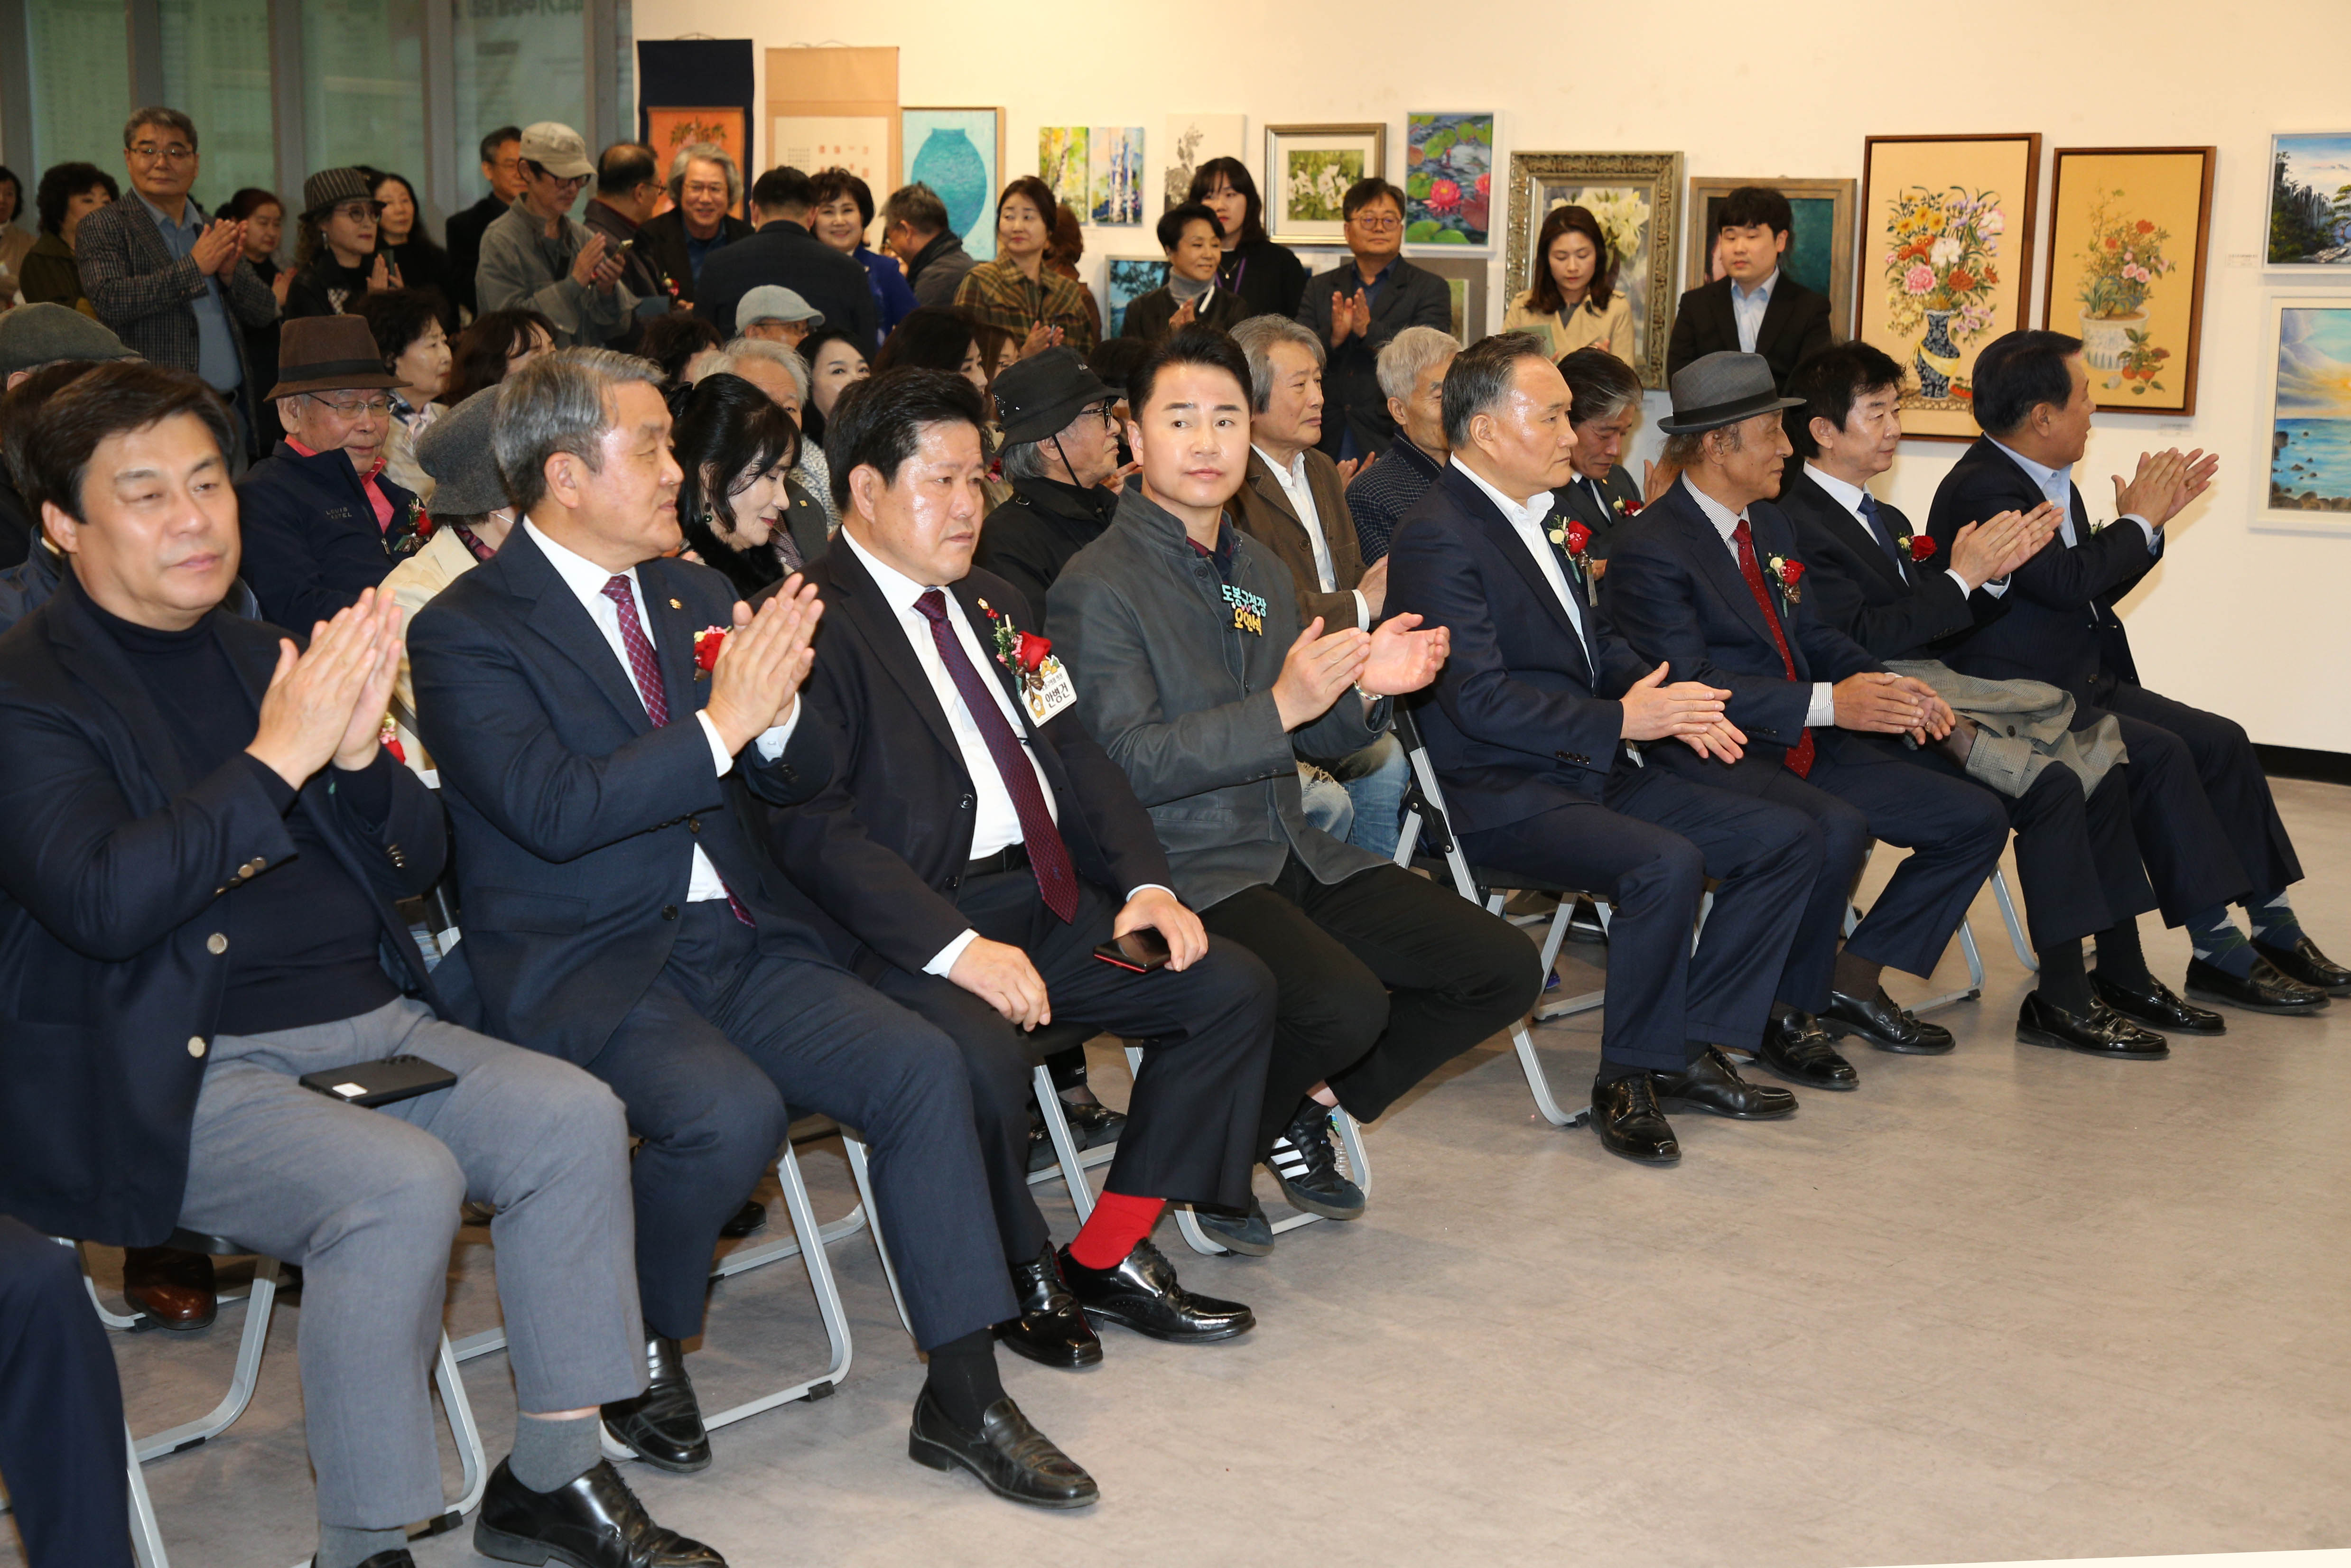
column 2251, row 621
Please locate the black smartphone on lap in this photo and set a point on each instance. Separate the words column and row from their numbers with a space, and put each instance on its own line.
column 1142, row 950
column 382, row 1083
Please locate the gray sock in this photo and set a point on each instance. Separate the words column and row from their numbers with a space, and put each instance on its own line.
column 341, row 1546
column 549, row 1454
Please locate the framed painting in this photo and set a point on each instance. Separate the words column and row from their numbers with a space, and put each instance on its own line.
column 1062, row 164
column 1127, row 278
column 2306, row 485
column 1636, row 198
column 959, row 154
column 834, row 106
column 2310, row 199
column 1192, row 140
column 1448, row 179
column 1113, row 175
column 1946, row 263
column 1465, row 278
column 1308, row 169
column 1820, row 242
column 2127, row 228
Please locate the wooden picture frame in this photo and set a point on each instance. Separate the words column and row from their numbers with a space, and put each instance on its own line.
column 1641, row 195
column 1465, row 277
column 950, row 173
column 1308, row 168
column 2305, row 486
column 1934, row 307
column 2128, row 230
column 1819, row 248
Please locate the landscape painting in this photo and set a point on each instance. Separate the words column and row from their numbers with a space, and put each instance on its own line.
column 1062, row 164
column 2309, row 479
column 1449, row 178
column 2310, row 199
column 1128, row 279
column 1113, row 175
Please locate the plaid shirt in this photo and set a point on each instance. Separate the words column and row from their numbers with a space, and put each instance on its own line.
column 149, row 299
column 997, row 293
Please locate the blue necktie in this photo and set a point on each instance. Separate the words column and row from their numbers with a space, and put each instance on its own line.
column 1885, row 538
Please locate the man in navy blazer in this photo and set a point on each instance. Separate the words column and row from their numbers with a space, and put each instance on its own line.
column 619, row 914
column 1710, row 581
column 2207, row 825
column 978, row 897
column 1530, row 731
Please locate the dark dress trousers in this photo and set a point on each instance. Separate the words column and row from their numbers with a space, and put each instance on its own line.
column 2199, row 800
column 2077, row 859
column 109, row 990
column 1027, row 539
column 1676, row 593
column 1405, row 296
column 60, row 1409
column 1796, row 326
column 1525, row 732
column 311, row 541
column 885, row 848
column 783, row 252
column 580, row 819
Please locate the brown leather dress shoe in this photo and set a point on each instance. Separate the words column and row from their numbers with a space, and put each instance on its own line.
column 173, row 1288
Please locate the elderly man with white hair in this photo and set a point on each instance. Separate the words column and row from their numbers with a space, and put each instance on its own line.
column 1412, row 374
column 708, row 189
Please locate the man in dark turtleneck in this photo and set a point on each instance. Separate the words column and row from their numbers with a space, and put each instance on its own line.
column 1060, row 449
column 197, row 909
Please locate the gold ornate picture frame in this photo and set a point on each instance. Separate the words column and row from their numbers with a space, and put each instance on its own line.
column 1637, row 198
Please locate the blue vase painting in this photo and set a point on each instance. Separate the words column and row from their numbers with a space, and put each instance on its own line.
column 954, row 153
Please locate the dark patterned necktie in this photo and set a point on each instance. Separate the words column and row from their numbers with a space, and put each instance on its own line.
column 1800, row 756
column 1049, row 856
column 1869, row 514
column 645, row 670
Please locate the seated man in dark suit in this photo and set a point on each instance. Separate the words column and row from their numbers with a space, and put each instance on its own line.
column 2206, row 821
column 1887, row 588
column 785, row 253
column 1182, row 634
column 1601, row 493
column 977, row 847
column 1412, row 374
column 322, row 521
column 619, row 913
column 1755, row 308
column 197, row 896
column 1710, row 581
column 1357, row 306
column 1528, row 732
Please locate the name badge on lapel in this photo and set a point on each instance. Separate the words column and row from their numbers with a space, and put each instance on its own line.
column 1249, row 609
column 1047, row 690
column 1036, row 671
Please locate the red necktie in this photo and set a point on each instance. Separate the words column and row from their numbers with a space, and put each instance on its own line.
column 1800, row 756
column 1049, row 856
column 645, row 670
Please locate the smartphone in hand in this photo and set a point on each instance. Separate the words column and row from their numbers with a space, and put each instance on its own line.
column 1142, row 950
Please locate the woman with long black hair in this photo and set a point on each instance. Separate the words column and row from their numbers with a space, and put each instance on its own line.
column 737, row 503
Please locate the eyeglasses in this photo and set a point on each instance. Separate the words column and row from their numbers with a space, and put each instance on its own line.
column 351, row 408
column 147, row 152
column 358, row 211
column 1108, row 412
column 1376, row 222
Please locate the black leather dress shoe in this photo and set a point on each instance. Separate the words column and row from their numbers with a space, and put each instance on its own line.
column 2104, row 1032
column 749, row 1219
column 662, row 1426
column 397, row 1557
column 1584, row 925
column 1091, row 1126
column 1011, row 1458
column 2265, row 990
column 1625, row 1115
column 594, row 1522
column 2158, row 1008
column 1142, row 1293
column 1051, row 1330
column 2304, row 962
column 1876, row 1019
column 1712, row 1084
column 1248, row 1232
column 1799, row 1050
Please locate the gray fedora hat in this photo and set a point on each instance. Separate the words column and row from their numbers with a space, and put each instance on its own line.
column 1723, row 389
column 456, row 450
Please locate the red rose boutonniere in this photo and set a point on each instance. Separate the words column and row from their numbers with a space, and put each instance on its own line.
column 1788, row 573
column 1576, row 540
column 1022, row 653
column 1921, row 547
column 706, row 643
column 1625, row 508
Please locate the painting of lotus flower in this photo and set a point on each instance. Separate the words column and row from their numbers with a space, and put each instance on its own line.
column 2128, row 227
column 1946, row 263
column 1449, row 178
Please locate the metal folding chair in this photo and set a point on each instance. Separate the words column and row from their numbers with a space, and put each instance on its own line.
column 1967, row 948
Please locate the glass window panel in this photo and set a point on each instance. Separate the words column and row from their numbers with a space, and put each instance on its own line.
column 517, row 61
column 80, row 55
column 216, row 69
column 362, row 70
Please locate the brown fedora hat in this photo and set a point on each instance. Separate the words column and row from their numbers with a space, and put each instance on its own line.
column 328, row 353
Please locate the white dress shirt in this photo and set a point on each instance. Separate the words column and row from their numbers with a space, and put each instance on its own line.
column 1291, row 477
column 1747, row 309
column 1822, row 708
column 2056, row 485
column 1849, row 498
column 587, row 580
column 1526, row 520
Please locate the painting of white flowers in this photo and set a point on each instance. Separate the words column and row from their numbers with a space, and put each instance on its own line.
column 2128, row 227
column 1308, row 169
column 1946, row 263
column 1636, row 198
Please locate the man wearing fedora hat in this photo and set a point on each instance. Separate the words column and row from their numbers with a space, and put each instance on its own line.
column 471, row 517
column 1061, row 450
column 1709, row 578
column 322, row 523
column 538, row 256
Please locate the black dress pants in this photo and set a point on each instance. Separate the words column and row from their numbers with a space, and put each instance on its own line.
column 2201, row 803
column 1381, row 979
column 1207, row 1029
column 707, row 1061
column 62, row 1448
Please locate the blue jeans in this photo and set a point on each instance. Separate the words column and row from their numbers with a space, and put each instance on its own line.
column 1376, row 778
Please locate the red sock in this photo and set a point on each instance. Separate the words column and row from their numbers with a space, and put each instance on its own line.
column 1118, row 1222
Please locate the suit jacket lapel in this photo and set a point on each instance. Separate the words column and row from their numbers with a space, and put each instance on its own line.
column 877, row 621
column 674, row 632
column 1775, row 315
column 557, row 615
column 1850, row 529
column 1726, row 318
column 1713, row 560
column 969, row 596
column 1506, row 539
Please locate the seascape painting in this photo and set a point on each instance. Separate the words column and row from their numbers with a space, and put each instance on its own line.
column 2310, row 424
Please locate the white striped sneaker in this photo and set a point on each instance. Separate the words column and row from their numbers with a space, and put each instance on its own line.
column 1308, row 1169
